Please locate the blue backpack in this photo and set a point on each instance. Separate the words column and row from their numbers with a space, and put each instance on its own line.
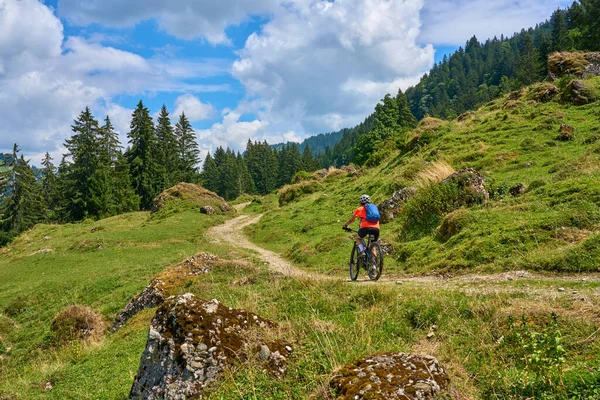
column 372, row 212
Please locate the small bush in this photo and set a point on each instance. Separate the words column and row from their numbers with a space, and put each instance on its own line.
column 16, row 306
column 77, row 323
column 289, row 193
column 453, row 223
column 302, row 176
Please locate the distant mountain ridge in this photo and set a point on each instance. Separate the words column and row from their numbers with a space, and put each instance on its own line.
column 317, row 143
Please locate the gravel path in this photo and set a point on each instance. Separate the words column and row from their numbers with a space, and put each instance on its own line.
column 231, row 232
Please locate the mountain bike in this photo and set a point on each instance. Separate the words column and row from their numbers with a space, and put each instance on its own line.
column 371, row 260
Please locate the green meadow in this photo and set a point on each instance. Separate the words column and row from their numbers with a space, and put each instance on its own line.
column 483, row 297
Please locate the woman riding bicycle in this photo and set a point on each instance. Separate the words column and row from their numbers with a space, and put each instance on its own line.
column 366, row 227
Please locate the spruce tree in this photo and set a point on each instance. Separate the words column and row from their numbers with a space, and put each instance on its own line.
column 309, row 163
column 210, row 174
column 145, row 175
column 84, row 150
column 109, row 145
column 167, row 150
column 187, row 149
column 49, row 186
column 24, row 206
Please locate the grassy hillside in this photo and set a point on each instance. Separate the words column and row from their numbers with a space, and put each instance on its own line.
column 553, row 226
column 510, row 335
column 97, row 264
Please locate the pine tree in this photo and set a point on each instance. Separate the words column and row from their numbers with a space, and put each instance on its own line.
column 24, row 207
column 245, row 182
column 84, row 150
column 145, row 174
column 187, row 149
column 167, row 154
column 110, row 146
column 49, row 186
column 210, row 174
column 561, row 39
column 309, row 163
column 124, row 196
column 529, row 68
column 406, row 119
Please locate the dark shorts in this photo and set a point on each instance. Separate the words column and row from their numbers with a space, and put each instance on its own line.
column 362, row 232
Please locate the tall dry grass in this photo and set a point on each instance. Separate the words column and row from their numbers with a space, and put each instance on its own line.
column 434, row 173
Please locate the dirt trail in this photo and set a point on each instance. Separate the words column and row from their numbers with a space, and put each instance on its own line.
column 231, row 232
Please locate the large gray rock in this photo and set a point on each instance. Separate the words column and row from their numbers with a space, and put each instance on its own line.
column 190, row 342
column 471, row 185
column 391, row 207
column 158, row 290
column 390, row 376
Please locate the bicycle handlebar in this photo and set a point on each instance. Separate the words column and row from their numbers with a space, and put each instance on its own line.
column 349, row 230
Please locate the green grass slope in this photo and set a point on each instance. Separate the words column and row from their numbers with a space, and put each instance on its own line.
column 101, row 265
column 553, row 226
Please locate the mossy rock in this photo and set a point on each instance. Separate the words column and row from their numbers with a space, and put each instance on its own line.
column 185, row 196
column 390, row 376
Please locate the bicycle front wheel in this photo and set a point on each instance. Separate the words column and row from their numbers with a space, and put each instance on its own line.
column 375, row 266
column 354, row 267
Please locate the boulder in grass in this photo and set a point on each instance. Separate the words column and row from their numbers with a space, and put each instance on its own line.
column 192, row 340
column 208, row 210
column 517, row 190
column 391, row 207
column 471, row 185
column 566, row 132
column 390, row 376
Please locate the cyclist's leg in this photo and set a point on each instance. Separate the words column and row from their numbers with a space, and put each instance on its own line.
column 362, row 232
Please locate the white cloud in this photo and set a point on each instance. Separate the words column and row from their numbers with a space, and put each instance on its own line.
column 187, row 19
column 451, row 22
column 320, row 66
column 231, row 132
column 46, row 80
column 193, row 108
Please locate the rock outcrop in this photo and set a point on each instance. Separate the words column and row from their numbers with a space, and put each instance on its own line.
column 192, row 196
column 391, row 207
column 471, row 185
column 390, row 376
column 159, row 289
column 578, row 93
column 578, row 64
column 207, row 210
column 190, row 342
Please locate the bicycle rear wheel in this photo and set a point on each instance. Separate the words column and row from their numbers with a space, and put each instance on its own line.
column 354, row 263
column 375, row 266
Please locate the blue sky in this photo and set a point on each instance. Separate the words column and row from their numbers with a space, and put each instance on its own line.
column 262, row 69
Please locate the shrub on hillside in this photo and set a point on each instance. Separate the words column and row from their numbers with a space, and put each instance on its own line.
column 302, row 176
column 424, row 212
column 289, row 193
column 77, row 323
column 453, row 223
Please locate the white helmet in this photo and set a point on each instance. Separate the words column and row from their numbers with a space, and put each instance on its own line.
column 364, row 199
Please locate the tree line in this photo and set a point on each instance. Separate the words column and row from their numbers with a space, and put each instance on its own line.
column 96, row 178
column 259, row 170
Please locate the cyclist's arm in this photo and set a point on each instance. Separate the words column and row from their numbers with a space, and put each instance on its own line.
column 351, row 220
